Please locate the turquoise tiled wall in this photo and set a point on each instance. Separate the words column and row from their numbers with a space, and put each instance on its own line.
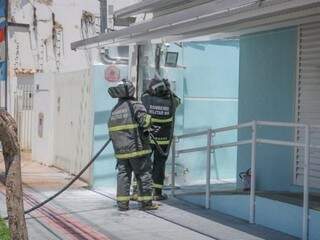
column 210, row 100
column 267, row 92
column 273, row 214
column 208, row 87
column 104, row 173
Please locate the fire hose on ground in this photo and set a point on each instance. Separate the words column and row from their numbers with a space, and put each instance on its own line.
column 70, row 183
column 88, row 165
column 80, row 174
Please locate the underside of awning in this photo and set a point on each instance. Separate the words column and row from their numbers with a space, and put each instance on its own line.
column 157, row 7
column 219, row 18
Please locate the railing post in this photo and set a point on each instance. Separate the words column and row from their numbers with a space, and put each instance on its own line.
column 208, row 169
column 253, row 173
column 173, row 168
column 305, row 227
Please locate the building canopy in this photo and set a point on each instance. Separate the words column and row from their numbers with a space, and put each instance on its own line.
column 218, row 18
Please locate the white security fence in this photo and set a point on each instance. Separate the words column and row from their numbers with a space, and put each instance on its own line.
column 23, row 114
column 253, row 141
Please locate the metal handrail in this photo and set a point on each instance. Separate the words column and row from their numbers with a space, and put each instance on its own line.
column 280, row 143
column 233, row 127
column 190, row 150
column 188, row 135
column 253, row 141
column 232, row 144
column 279, row 124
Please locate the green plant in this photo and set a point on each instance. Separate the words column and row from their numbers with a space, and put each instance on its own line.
column 4, row 231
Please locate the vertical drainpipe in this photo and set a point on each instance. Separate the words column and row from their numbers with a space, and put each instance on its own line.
column 158, row 60
column 139, row 85
column 34, row 18
column 103, row 16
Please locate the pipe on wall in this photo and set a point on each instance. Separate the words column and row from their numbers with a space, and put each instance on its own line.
column 105, row 55
column 106, row 58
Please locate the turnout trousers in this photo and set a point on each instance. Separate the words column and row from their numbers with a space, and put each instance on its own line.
column 141, row 167
column 158, row 169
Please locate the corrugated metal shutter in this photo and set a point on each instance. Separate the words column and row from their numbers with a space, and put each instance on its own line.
column 308, row 98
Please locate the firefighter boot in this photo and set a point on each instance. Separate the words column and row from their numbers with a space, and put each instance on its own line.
column 148, row 206
column 135, row 191
column 158, row 195
column 123, row 206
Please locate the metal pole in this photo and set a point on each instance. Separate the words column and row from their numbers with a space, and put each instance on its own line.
column 253, row 173
column 208, row 169
column 173, row 168
column 103, row 16
column 305, row 227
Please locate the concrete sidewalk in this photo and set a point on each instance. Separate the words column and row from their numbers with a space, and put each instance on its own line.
column 39, row 176
column 86, row 214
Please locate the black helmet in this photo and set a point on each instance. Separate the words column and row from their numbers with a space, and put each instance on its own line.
column 124, row 89
column 159, row 87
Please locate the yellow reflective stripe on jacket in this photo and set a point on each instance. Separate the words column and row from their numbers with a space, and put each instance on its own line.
column 157, row 186
column 132, row 154
column 145, row 198
column 123, row 127
column 160, row 142
column 159, row 120
column 147, row 121
column 123, row 198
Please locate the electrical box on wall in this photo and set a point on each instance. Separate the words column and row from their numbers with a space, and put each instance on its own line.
column 171, row 59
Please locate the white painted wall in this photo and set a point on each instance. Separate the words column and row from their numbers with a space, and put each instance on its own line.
column 35, row 50
column 65, row 100
column 43, row 147
column 38, row 43
column 67, row 136
column 73, row 121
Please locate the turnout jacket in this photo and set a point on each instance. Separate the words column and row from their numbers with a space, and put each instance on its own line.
column 128, row 126
column 162, row 109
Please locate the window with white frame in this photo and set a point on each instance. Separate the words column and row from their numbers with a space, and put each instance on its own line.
column 308, row 99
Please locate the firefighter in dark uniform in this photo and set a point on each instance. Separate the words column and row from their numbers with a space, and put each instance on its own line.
column 128, row 125
column 161, row 104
